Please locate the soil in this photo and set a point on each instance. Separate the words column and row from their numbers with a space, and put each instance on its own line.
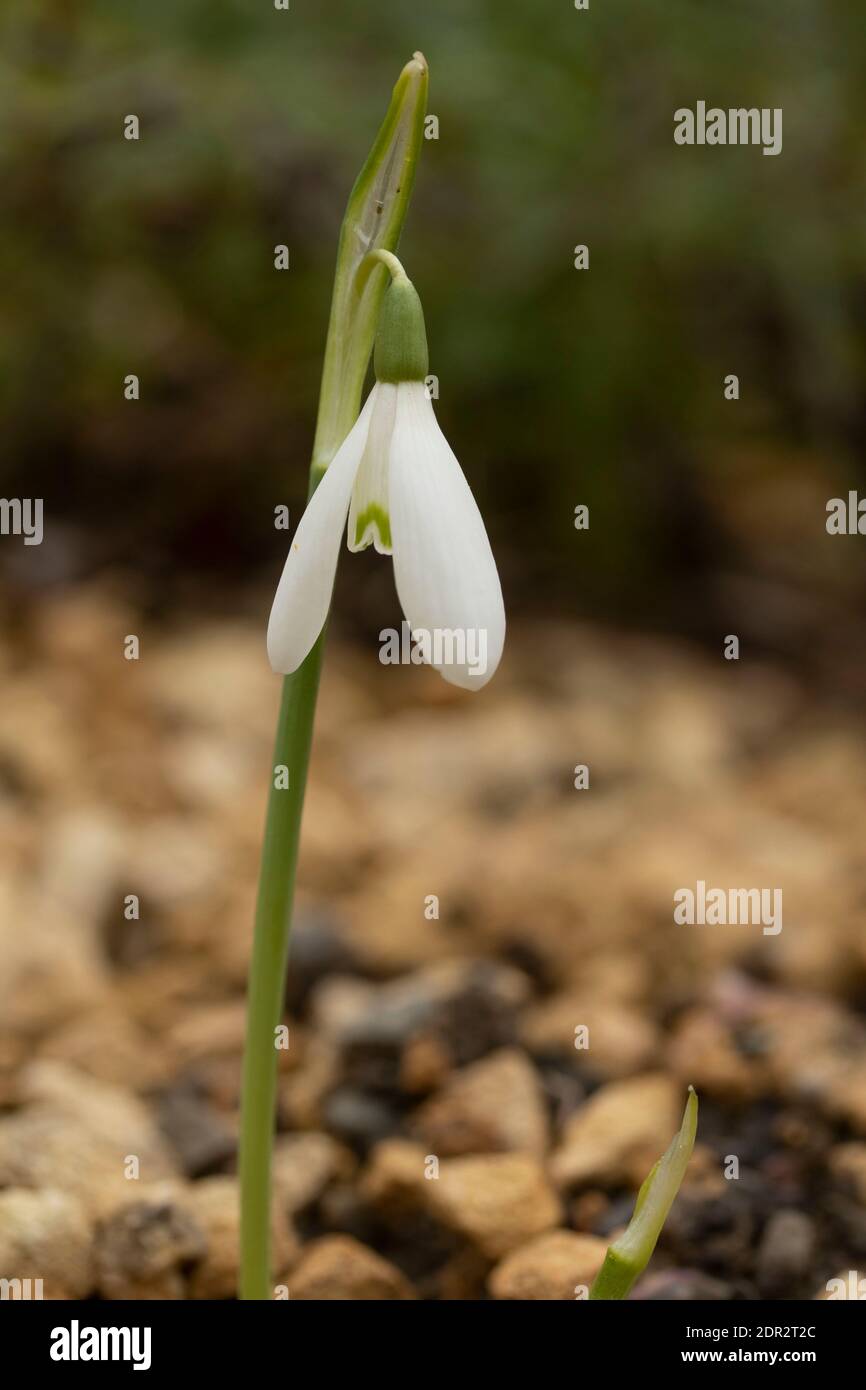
column 493, row 1015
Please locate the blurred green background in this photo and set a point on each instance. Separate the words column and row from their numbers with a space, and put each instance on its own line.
column 558, row 386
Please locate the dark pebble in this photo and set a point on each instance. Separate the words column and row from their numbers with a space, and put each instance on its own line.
column 359, row 1118
column 318, row 949
column 197, row 1132
column 786, row 1253
column 681, row 1286
column 470, row 1019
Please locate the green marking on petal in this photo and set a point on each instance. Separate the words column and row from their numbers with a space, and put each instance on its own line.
column 377, row 518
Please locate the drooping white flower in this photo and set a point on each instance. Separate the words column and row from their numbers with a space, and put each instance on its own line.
column 404, row 492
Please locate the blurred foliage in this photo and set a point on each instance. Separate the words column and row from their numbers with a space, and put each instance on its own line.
column 557, row 386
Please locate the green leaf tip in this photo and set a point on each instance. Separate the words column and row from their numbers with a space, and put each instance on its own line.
column 628, row 1257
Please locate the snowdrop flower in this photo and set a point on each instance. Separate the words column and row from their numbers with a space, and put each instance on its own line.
column 404, row 492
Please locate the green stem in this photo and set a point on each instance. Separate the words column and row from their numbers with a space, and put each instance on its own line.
column 268, row 968
column 374, row 218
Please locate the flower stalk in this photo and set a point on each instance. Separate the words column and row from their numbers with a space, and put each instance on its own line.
column 374, row 219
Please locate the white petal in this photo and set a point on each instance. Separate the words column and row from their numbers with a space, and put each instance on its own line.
column 304, row 591
column 369, row 518
column 443, row 565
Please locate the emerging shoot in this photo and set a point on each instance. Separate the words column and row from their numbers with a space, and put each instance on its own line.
column 629, row 1256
